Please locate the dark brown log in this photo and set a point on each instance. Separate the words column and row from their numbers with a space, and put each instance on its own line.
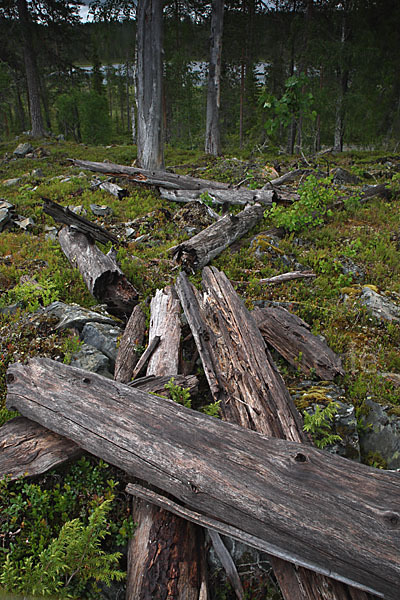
column 209, row 243
column 101, row 274
column 27, row 448
column 292, row 338
column 64, row 215
column 150, row 177
column 244, row 379
column 322, row 511
column 166, row 556
column 241, row 196
column 132, row 338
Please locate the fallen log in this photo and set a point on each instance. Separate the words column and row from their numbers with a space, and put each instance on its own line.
column 158, row 178
column 251, row 392
column 101, row 274
column 27, row 448
column 318, row 510
column 286, row 178
column 114, row 189
column 292, row 338
column 166, row 555
column 132, row 338
column 197, row 252
column 233, row 196
column 62, row 214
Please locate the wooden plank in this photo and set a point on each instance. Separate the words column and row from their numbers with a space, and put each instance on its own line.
column 197, row 252
column 292, row 338
column 321, row 511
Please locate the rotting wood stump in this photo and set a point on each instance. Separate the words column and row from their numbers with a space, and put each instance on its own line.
column 101, row 274
column 337, row 517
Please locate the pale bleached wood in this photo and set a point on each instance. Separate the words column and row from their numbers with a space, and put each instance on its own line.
column 234, row 196
column 250, row 390
column 322, row 511
column 167, row 553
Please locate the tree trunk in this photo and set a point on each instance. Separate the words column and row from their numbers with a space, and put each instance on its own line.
column 166, row 555
column 243, row 377
column 303, row 504
column 32, row 77
column 212, row 143
column 149, row 74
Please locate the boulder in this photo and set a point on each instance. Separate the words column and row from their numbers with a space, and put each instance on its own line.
column 100, row 211
column 381, row 434
column 378, row 306
column 73, row 316
column 13, row 181
column 345, row 177
column 23, row 149
column 104, row 337
column 91, row 359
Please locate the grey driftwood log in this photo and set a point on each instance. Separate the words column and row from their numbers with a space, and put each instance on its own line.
column 166, row 555
column 62, row 214
column 199, row 250
column 292, row 338
column 28, row 449
column 233, row 196
column 131, row 340
column 303, row 504
column 243, row 377
column 101, row 274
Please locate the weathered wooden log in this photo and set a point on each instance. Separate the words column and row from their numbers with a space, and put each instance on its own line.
column 233, row 196
column 292, row 338
column 197, row 252
column 375, row 190
column 27, row 448
column 146, row 355
column 150, row 177
column 166, row 556
column 101, row 274
column 282, row 278
column 64, row 215
column 132, row 338
column 251, row 392
column 114, row 189
column 322, row 511
column 286, row 178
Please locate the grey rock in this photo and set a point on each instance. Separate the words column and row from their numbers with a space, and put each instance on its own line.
column 190, row 230
column 13, row 181
column 342, row 176
column 348, row 267
column 25, row 224
column 60, row 137
column 5, row 204
column 378, row 306
column 129, row 232
column 23, row 149
column 73, row 316
column 5, row 217
column 91, row 359
column 100, row 211
column 104, row 337
column 37, row 173
column 51, row 232
column 78, row 210
column 381, row 434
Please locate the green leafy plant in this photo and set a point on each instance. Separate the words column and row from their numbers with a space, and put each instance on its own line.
column 316, row 198
column 76, row 554
column 179, row 394
column 32, row 294
column 212, row 409
column 319, row 425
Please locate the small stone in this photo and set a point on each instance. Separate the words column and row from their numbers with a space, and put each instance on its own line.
column 13, row 181
column 23, row 149
column 37, row 173
column 26, row 224
column 100, row 211
column 51, row 232
column 5, row 204
column 5, row 217
column 129, row 232
column 378, row 306
column 381, row 434
column 78, row 210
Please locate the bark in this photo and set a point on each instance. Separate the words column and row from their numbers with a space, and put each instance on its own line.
column 149, row 69
column 212, row 143
column 197, row 252
column 292, row 338
column 101, row 274
column 32, row 76
column 151, row 176
column 62, row 214
column 27, row 448
column 243, row 377
column 305, row 505
column 132, row 338
column 166, row 556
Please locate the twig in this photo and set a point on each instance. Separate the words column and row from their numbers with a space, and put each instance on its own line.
column 146, row 355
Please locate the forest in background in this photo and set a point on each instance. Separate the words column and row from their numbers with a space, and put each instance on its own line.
column 295, row 75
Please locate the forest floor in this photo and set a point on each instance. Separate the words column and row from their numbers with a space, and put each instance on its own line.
column 353, row 246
